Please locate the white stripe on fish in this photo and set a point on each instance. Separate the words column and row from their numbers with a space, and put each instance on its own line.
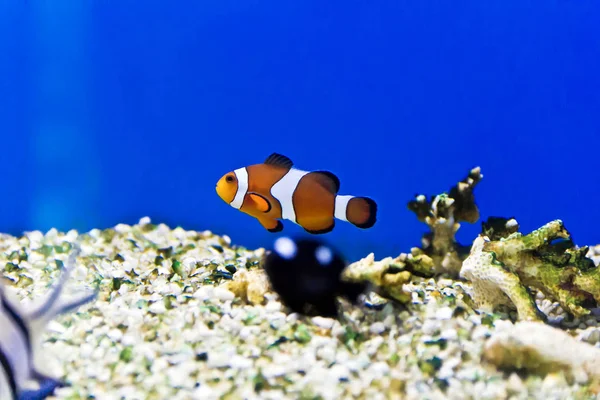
column 242, row 177
column 284, row 192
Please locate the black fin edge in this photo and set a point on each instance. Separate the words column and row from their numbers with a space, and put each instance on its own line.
column 333, row 177
column 321, row 231
column 264, row 198
column 279, row 160
column 278, row 228
column 372, row 214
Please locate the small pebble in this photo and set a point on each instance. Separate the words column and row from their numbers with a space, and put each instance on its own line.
column 444, row 313
column 195, row 336
column 223, row 294
column 273, row 306
column 377, row 328
column 157, row 307
column 325, row 323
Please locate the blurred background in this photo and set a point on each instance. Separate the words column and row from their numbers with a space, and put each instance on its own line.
column 114, row 110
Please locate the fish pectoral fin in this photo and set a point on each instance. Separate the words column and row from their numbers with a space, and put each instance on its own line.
column 270, row 224
column 328, row 180
column 260, row 203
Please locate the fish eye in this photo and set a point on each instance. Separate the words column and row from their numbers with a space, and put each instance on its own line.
column 324, row 255
column 229, row 178
column 286, row 248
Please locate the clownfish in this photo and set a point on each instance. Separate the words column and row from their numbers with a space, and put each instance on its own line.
column 306, row 274
column 276, row 190
column 21, row 333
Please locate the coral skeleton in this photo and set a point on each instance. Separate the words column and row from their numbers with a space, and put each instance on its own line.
column 440, row 252
column 541, row 349
column 504, row 269
column 387, row 275
column 443, row 214
column 250, row 285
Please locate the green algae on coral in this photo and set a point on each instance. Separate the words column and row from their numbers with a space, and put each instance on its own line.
column 159, row 335
column 388, row 276
column 503, row 270
column 441, row 253
column 443, row 214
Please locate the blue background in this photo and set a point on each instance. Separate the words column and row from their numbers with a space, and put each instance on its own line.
column 112, row 110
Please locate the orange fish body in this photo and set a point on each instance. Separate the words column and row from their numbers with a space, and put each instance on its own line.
column 275, row 190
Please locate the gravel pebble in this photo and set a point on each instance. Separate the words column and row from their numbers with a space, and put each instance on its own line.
column 377, row 328
column 163, row 327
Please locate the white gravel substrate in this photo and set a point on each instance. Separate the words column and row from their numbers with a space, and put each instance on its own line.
column 157, row 334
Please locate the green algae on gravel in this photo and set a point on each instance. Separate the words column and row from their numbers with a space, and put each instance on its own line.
column 165, row 325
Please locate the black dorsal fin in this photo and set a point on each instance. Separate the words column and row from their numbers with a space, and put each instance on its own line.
column 329, row 180
column 279, row 160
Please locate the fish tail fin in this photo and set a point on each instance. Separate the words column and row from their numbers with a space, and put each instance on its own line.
column 46, row 389
column 359, row 211
column 351, row 290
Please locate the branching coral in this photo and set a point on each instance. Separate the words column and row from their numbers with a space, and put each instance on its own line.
column 440, row 251
column 388, row 275
column 443, row 213
column 503, row 268
column 502, row 263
